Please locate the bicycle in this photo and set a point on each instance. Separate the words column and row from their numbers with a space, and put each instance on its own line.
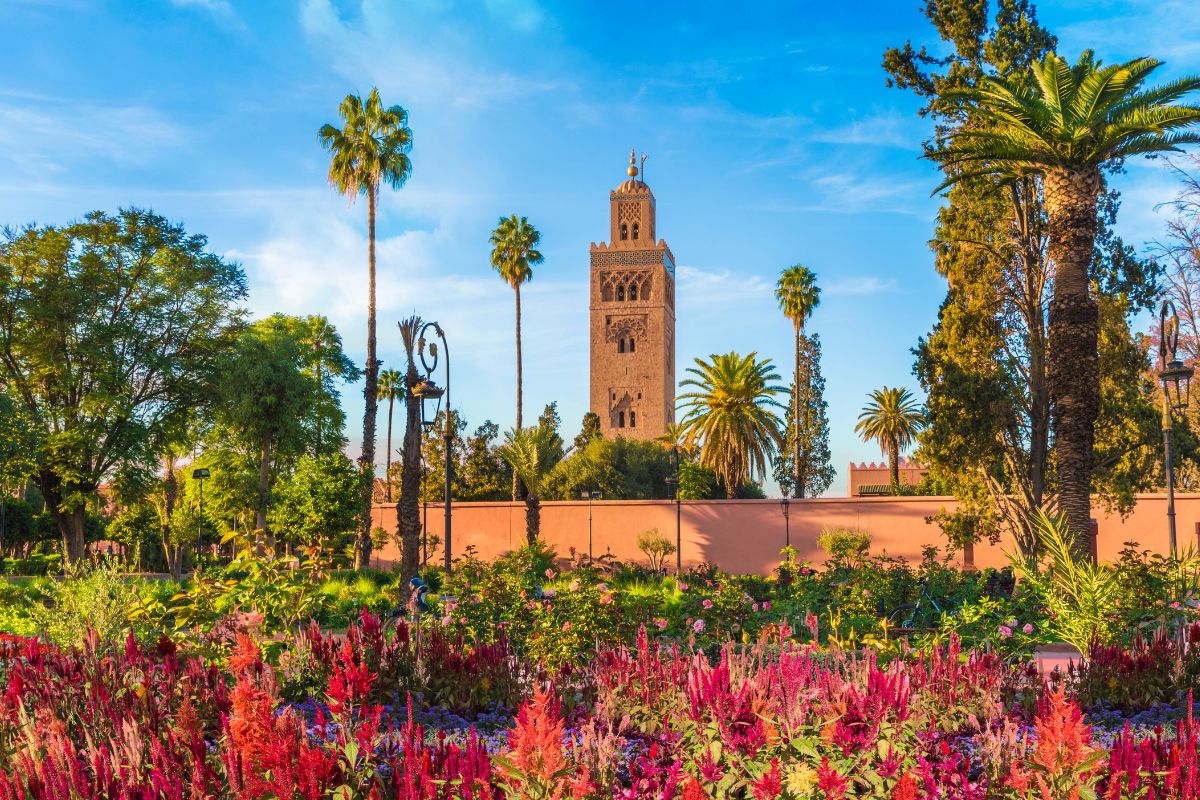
column 921, row 615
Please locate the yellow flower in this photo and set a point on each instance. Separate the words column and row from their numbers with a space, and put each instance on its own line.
column 801, row 780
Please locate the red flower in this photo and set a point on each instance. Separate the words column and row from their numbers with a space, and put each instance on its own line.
column 906, row 788
column 770, row 785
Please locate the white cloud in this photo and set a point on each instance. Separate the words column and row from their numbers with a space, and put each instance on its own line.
column 44, row 135
column 865, row 284
column 222, row 12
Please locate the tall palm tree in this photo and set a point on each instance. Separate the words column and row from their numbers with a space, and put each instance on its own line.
column 676, row 438
column 514, row 254
column 892, row 419
column 798, row 295
column 1074, row 122
column 731, row 415
column 369, row 150
column 532, row 453
column 391, row 388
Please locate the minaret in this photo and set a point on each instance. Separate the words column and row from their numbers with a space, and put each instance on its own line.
column 633, row 318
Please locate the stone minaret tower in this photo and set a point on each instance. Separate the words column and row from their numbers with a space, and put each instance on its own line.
column 633, row 318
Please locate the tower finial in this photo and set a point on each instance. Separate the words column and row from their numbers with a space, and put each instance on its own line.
column 633, row 170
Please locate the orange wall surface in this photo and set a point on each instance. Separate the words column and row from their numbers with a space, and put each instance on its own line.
column 746, row 535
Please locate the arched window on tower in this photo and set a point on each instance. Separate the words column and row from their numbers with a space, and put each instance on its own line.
column 631, row 348
column 635, row 231
column 621, row 292
column 633, row 419
column 620, row 419
column 633, row 292
column 621, row 345
column 625, row 232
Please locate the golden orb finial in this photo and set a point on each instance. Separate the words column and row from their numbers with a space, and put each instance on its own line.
column 633, row 170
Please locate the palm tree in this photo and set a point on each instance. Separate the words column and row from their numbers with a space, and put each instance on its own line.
column 408, row 512
column 798, row 296
column 514, row 253
column 369, row 150
column 532, row 453
column 893, row 419
column 391, row 388
column 731, row 415
column 1075, row 121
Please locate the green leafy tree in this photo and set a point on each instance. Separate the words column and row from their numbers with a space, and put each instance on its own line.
column 317, row 504
column 805, row 465
column 532, row 453
column 485, row 475
column 111, row 329
column 391, row 388
column 1076, row 121
column 369, row 150
column 623, row 469
column 266, row 395
column 798, row 296
column 434, row 454
column 892, row 419
column 514, row 254
column 731, row 415
column 324, row 358
column 19, row 445
column 588, row 430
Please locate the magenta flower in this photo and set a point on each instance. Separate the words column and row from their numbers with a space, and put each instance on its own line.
column 1005, row 631
column 707, row 604
column 698, row 626
column 661, row 624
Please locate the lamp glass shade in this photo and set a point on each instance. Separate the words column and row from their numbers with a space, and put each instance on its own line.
column 1177, row 384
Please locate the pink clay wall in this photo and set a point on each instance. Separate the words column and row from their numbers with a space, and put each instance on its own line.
column 746, row 535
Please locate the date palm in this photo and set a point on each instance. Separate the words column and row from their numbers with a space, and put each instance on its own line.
column 370, row 149
column 892, row 419
column 514, row 254
column 798, row 295
column 731, row 415
column 391, row 388
column 1072, row 123
column 532, row 453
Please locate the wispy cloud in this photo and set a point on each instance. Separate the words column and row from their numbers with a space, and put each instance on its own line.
column 865, row 284
column 44, row 135
column 221, row 11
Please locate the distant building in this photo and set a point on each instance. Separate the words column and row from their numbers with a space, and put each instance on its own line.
column 876, row 479
column 632, row 303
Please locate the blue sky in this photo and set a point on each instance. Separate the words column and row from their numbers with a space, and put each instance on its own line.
column 772, row 137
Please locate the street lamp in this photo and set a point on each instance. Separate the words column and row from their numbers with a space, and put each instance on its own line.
column 1176, row 380
column 673, row 480
column 199, row 475
column 590, row 497
column 426, row 429
column 430, row 395
column 784, row 502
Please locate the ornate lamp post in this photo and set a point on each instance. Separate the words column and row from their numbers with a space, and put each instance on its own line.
column 590, row 497
column 784, row 502
column 430, row 395
column 1176, row 380
column 673, row 480
column 426, row 429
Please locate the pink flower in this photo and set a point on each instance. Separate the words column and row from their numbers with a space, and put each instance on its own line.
column 1028, row 628
column 754, row 607
column 566, row 626
column 550, row 574
column 683, row 587
column 707, row 604
column 766, row 605
column 605, row 599
column 548, row 593
column 698, row 626
column 1005, row 631
column 574, row 587
column 661, row 623
column 805, row 571
column 1176, row 605
column 445, row 620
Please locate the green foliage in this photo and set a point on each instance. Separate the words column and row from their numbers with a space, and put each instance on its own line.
column 731, row 414
column 655, row 547
column 317, row 505
column 892, row 419
column 114, row 328
column 514, row 250
column 371, row 148
column 88, row 598
column 844, row 545
column 589, row 430
column 815, row 472
column 621, row 468
column 696, row 482
column 1080, row 597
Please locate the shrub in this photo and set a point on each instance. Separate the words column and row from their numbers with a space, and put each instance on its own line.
column 89, row 598
column 844, row 545
column 655, row 547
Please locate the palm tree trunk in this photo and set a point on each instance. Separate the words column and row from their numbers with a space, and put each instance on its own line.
column 894, row 465
column 533, row 517
column 797, row 478
column 516, row 485
column 362, row 553
column 1073, row 365
column 387, row 471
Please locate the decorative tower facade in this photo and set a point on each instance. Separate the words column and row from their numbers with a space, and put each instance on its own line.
column 633, row 318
